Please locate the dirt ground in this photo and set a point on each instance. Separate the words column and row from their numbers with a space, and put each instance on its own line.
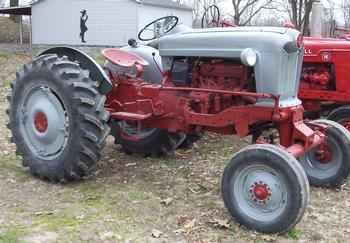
column 135, row 199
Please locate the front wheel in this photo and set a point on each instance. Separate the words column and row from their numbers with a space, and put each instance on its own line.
column 341, row 115
column 329, row 166
column 265, row 189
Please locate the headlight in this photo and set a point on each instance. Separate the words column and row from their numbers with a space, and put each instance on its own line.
column 249, row 57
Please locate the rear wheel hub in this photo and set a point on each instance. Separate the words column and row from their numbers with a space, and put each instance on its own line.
column 40, row 122
column 44, row 123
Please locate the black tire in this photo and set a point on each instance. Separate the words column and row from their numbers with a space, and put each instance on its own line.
column 190, row 141
column 341, row 115
column 85, row 126
column 156, row 143
column 249, row 210
column 335, row 172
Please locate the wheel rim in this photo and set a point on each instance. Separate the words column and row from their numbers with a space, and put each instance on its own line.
column 43, row 122
column 134, row 133
column 260, row 192
column 324, row 167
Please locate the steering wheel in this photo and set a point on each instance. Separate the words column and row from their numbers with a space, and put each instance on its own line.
column 211, row 17
column 158, row 28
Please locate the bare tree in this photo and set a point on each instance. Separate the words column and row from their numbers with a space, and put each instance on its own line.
column 299, row 13
column 329, row 19
column 346, row 11
column 201, row 5
column 245, row 10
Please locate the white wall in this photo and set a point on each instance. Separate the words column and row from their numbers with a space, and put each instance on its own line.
column 148, row 13
column 57, row 22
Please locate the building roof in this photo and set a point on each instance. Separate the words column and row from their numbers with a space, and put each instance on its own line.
column 25, row 10
column 164, row 3
column 158, row 3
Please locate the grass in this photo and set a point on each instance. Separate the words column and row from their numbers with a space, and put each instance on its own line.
column 98, row 203
column 100, row 59
column 13, row 165
column 11, row 235
column 294, row 234
column 56, row 222
column 7, row 82
column 4, row 55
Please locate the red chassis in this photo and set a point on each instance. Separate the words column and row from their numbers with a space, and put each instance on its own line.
column 189, row 109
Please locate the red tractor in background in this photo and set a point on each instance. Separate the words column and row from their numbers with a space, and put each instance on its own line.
column 324, row 86
column 212, row 18
column 325, row 78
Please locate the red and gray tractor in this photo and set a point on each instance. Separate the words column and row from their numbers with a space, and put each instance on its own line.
column 324, row 85
column 155, row 97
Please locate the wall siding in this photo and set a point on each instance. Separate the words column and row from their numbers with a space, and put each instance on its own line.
column 110, row 23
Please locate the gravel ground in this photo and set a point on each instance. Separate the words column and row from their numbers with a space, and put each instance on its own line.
column 135, row 199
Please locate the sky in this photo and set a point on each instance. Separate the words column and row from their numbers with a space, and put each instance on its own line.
column 228, row 9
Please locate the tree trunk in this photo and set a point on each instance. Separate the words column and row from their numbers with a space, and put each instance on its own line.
column 308, row 9
column 300, row 13
column 14, row 3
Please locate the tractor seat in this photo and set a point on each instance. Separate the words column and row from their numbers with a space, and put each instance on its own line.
column 123, row 58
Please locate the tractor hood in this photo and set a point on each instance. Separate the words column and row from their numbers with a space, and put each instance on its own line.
column 279, row 59
column 316, row 46
column 226, row 42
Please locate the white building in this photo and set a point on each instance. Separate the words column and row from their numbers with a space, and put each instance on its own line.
column 108, row 22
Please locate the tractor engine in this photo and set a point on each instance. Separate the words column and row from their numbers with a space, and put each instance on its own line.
column 219, row 74
column 215, row 74
column 318, row 77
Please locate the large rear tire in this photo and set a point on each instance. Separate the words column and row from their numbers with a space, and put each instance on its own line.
column 57, row 119
column 265, row 189
column 332, row 168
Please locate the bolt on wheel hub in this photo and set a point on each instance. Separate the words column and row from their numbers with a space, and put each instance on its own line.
column 40, row 122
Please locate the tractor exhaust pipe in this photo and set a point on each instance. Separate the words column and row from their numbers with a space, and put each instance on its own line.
column 316, row 19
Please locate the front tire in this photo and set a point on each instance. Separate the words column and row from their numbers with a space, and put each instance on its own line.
column 333, row 168
column 57, row 119
column 341, row 115
column 265, row 189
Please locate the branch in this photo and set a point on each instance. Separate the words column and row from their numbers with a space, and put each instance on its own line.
column 257, row 11
column 247, row 6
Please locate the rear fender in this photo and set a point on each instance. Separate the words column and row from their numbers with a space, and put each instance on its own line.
column 85, row 62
